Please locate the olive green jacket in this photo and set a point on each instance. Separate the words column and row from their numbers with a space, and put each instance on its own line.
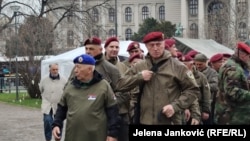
column 172, row 84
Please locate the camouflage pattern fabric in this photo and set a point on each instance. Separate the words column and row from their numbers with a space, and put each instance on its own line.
column 234, row 88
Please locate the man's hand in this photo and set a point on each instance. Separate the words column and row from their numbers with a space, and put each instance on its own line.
column 168, row 110
column 187, row 114
column 195, row 121
column 204, row 116
column 56, row 133
column 146, row 74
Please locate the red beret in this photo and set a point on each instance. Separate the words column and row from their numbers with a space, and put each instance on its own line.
column 179, row 54
column 93, row 40
column 226, row 55
column 169, row 43
column 133, row 45
column 244, row 47
column 153, row 36
column 216, row 57
column 185, row 58
column 109, row 40
column 192, row 53
column 131, row 58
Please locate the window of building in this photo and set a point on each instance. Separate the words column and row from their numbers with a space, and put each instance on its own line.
column 215, row 7
column 242, row 6
column 111, row 15
column 193, row 7
column 128, row 34
column 70, row 38
column 162, row 13
column 70, row 17
column 194, row 31
column 145, row 12
column 242, row 31
column 95, row 33
column 128, row 14
column 217, row 20
column 111, row 33
column 95, row 15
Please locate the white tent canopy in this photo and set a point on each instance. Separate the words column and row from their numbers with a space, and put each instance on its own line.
column 207, row 47
column 65, row 60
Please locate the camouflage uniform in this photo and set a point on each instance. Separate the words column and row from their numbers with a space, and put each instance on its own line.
column 234, row 85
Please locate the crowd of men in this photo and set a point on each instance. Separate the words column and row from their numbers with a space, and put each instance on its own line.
column 104, row 95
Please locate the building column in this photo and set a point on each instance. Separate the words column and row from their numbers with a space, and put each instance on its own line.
column 184, row 18
column 248, row 19
column 201, row 19
column 136, row 17
column 232, row 36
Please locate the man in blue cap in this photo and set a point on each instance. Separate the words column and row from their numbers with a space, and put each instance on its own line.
column 88, row 104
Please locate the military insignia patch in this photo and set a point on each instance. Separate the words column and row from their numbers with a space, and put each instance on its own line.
column 91, row 96
column 207, row 86
column 190, row 75
column 91, row 40
column 80, row 59
column 135, row 45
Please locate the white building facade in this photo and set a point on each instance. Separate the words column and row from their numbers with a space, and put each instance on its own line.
column 225, row 21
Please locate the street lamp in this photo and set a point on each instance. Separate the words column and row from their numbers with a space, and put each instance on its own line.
column 15, row 9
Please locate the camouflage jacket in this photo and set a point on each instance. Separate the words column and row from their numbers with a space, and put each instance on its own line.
column 234, row 85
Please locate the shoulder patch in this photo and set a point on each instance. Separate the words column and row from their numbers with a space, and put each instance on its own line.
column 190, row 75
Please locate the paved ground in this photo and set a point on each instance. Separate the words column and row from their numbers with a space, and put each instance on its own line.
column 19, row 123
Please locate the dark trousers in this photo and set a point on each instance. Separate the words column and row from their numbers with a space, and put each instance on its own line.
column 123, row 131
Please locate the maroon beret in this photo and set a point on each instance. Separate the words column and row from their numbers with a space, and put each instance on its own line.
column 179, row 54
column 244, row 47
column 153, row 36
column 227, row 55
column 185, row 58
column 131, row 58
column 216, row 57
column 169, row 43
column 133, row 45
column 109, row 40
column 192, row 53
column 93, row 40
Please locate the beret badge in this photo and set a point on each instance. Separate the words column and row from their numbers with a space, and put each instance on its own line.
column 135, row 45
column 80, row 59
column 183, row 58
column 90, row 40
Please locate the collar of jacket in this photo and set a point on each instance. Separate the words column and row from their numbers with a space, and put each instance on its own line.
column 237, row 60
column 54, row 77
column 112, row 60
column 99, row 58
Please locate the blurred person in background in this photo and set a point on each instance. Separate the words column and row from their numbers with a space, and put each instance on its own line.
column 51, row 88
